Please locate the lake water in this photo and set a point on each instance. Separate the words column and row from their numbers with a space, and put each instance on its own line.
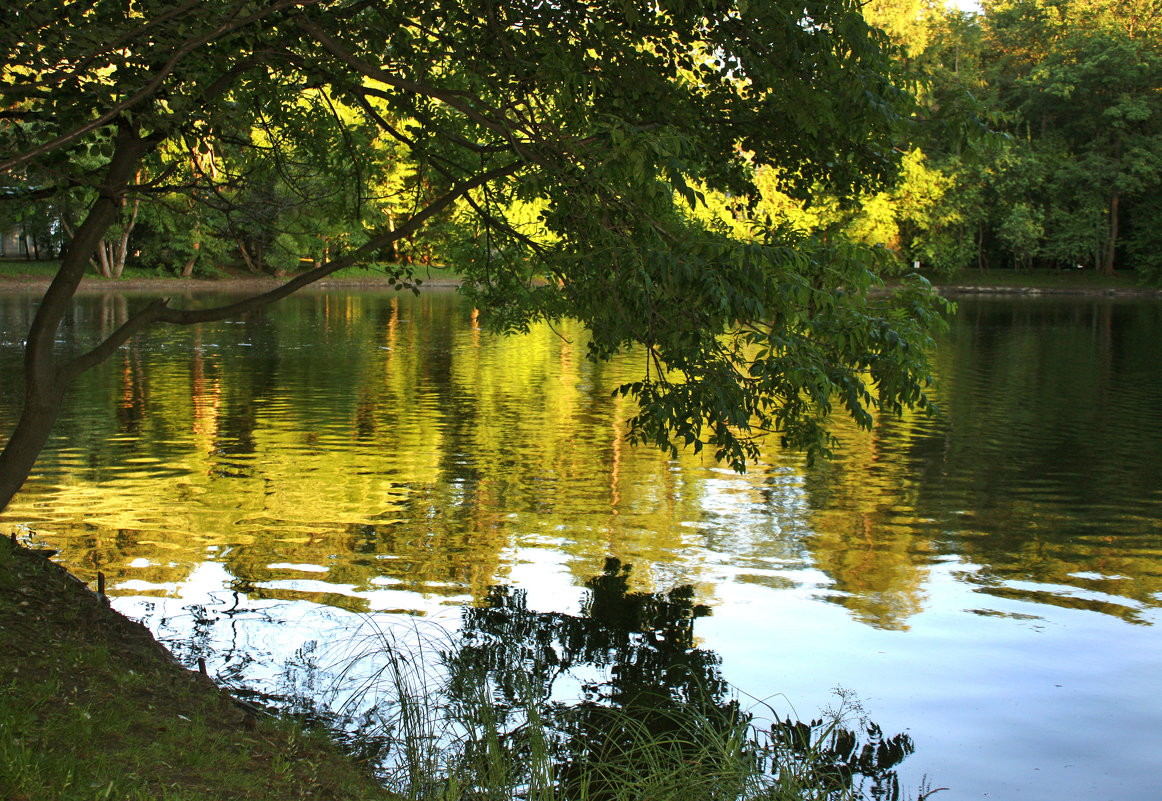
column 262, row 492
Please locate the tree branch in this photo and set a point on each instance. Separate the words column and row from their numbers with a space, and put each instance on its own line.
column 41, row 335
column 150, row 87
column 454, row 99
column 159, row 310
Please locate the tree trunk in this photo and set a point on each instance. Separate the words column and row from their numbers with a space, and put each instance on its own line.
column 45, row 381
column 123, row 245
column 246, row 258
column 1107, row 266
column 102, row 262
column 394, row 243
column 188, row 267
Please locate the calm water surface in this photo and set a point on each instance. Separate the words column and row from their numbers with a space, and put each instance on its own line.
column 988, row 581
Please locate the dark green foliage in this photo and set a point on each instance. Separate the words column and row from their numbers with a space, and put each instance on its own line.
column 1072, row 92
column 561, row 142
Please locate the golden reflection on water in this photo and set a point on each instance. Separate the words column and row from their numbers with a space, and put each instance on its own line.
column 246, row 486
column 387, row 441
column 382, row 443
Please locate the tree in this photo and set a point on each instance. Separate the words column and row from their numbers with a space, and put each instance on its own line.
column 603, row 113
column 1080, row 81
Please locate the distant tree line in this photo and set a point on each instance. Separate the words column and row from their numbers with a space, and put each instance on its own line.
column 1038, row 136
column 1036, row 141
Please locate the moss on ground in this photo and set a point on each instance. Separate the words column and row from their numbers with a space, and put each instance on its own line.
column 92, row 707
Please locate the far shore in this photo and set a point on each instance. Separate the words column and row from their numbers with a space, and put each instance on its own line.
column 968, row 284
column 973, row 290
column 231, row 284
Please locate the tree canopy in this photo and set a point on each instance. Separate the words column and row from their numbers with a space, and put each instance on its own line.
column 571, row 143
column 1041, row 121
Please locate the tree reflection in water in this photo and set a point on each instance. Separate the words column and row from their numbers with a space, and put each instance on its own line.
column 650, row 702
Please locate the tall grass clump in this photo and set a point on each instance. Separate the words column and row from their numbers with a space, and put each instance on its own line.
column 446, row 733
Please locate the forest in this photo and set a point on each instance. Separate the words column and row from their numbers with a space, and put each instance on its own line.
column 696, row 205
column 1039, row 136
column 1033, row 139
column 1036, row 140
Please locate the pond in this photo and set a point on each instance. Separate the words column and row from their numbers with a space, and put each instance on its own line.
column 261, row 492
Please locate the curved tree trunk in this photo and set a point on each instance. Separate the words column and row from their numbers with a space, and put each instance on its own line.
column 102, row 260
column 45, row 381
column 122, row 245
column 188, row 267
column 251, row 264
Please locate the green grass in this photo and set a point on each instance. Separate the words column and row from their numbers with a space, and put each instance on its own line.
column 18, row 268
column 91, row 708
column 1064, row 280
column 445, row 741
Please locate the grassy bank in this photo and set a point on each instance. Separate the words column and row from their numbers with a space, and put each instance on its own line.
column 18, row 273
column 91, row 707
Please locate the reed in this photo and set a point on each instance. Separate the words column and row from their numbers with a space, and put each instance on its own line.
column 456, row 738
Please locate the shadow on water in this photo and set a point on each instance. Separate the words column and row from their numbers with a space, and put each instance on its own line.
column 615, row 702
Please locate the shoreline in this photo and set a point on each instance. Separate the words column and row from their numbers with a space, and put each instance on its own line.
column 90, row 284
column 11, row 284
column 968, row 290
